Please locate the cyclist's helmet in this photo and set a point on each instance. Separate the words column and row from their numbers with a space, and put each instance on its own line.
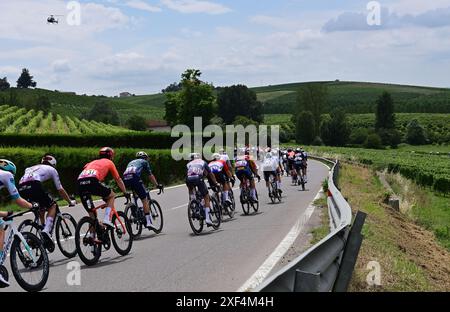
column 48, row 160
column 289, row 150
column 193, row 156
column 106, row 152
column 142, row 155
column 216, row 156
column 7, row 165
column 298, row 150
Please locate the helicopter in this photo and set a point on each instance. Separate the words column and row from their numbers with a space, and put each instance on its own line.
column 52, row 19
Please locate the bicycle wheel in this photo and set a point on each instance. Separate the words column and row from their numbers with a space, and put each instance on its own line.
column 231, row 208
column 135, row 223
column 195, row 217
column 29, row 226
column 271, row 193
column 31, row 275
column 255, row 206
column 4, row 273
column 157, row 216
column 65, row 229
column 245, row 202
column 88, row 249
column 122, row 238
column 215, row 213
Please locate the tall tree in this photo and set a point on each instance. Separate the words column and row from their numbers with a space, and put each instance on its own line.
column 239, row 100
column 196, row 99
column 4, row 84
column 313, row 97
column 25, row 80
column 336, row 131
column 415, row 134
column 385, row 116
column 304, row 129
column 171, row 105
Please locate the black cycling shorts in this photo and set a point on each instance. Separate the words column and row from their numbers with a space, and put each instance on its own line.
column 33, row 191
column 298, row 167
column 267, row 175
column 92, row 186
column 221, row 177
column 196, row 181
column 134, row 183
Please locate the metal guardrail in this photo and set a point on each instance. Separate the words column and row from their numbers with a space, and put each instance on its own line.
column 318, row 268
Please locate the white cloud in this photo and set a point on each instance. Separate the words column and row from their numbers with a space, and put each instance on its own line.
column 141, row 5
column 196, row 6
column 61, row 66
column 276, row 22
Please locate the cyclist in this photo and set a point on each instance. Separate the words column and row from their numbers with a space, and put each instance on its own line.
column 290, row 161
column 197, row 170
column 132, row 180
column 305, row 163
column 31, row 188
column 7, row 173
column 91, row 178
column 245, row 167
column 222, row 173
column 271, row 166
column 298, row 163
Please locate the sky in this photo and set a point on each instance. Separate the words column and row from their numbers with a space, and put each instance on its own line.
column 141, row 46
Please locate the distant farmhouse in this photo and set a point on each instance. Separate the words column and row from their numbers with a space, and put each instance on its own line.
column 125, row 94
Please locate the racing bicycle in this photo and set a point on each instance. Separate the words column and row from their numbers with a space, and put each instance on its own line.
column 28, row 258
column 274, row 192
column 91, row 236
column 136, row 216
column 246, row 198
column 197, row 216
column 64, row 226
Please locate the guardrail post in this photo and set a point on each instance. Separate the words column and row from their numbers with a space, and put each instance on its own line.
column 306, row 281
column 350, row 255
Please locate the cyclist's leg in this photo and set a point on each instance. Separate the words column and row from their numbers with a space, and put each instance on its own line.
column 267, row 177
column 2, row 232
column 252, row 186
column 203, row 189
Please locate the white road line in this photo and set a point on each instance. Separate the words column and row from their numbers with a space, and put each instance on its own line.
column 178, row 207
column 264, row 270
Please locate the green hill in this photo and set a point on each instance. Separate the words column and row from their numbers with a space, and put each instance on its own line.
column 359, row 97
column 354, row 97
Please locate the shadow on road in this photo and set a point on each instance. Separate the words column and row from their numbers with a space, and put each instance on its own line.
column 107, row 261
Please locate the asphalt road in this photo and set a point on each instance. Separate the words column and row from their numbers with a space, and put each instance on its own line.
column 176, row 260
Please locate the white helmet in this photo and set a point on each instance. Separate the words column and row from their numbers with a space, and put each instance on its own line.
column 193, row 156
column 142, row 155
column 49, row 160
column 216, row 156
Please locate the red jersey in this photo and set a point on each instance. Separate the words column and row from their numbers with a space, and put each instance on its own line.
column 99, row 169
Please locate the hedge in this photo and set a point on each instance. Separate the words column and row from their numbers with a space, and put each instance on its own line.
column 134, row 140
column 72, row 160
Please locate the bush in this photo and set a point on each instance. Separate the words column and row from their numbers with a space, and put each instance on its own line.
column 317, row 141
column 137, row 123
column 145, row 139
column 72, row 160
column 359, row 136
column 373, row 141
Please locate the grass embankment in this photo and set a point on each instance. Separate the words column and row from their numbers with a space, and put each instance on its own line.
column 410, row 257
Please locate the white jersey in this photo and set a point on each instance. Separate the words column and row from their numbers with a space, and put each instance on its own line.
column 224, row 157
column 7, row 181
column 41, row 173
column 270, row 164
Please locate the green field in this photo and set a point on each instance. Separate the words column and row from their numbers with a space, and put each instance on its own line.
column 437, row 126
column 427, row 170
column 16, row 120
column 69, row 104
column 354, row 97
column 359, row 97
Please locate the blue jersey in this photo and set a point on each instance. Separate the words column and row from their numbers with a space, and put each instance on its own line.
column 7, row 181
column 197, row 168
column 137, row 167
